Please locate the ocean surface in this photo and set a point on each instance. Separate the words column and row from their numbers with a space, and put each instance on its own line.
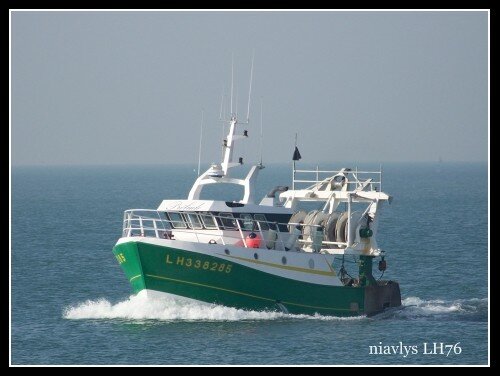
column 71, row 303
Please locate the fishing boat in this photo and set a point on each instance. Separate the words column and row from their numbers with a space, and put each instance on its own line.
column 271, row 254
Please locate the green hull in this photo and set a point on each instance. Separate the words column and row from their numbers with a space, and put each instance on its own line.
column 214, row 280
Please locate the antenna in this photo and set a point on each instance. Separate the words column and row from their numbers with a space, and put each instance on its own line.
column 224, row 109
column 236, row 105
column 221, row 104
column 232, row 76
column 201, row 137
column 250, row 89
column 261, row 132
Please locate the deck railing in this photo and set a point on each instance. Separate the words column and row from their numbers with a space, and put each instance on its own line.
column 355, row 177
column 153, row 223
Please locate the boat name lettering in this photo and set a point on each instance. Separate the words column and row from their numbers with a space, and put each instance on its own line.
column 189, row 262
column 180, row 205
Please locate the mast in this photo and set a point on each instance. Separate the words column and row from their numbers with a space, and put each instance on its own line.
column 293, row 172
column 295, row 158
column 250, row 90
column 228, row 146
column 232, row 78
column 261, row 131
column 219, row 173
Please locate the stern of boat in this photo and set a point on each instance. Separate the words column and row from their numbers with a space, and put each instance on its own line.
column 381, row 296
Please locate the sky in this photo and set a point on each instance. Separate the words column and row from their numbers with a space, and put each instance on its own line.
column 105, row 88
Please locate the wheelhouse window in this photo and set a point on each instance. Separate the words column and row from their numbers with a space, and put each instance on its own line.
column 246, row 222
column 261, row 219
column 167, row 223
column 227, row 221
column 208, row 221
column 176, row 220
column 194, row 221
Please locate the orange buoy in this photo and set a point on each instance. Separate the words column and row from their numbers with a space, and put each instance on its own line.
column 253, row 240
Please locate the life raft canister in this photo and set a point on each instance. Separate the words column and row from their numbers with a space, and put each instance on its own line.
column 253, row 240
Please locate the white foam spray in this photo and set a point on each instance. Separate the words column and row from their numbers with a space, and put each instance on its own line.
column 169, row 308
column 141, row 307
column 415, row 306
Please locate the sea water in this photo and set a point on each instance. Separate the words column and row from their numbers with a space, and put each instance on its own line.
column 71, row 303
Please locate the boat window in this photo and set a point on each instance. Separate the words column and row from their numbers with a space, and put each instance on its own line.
column 261, row 218
column 246, row 222
column 177, row 220
column 227, row 220
column 167, row 223
column 194, row 221
column 186, row 220
column 208, row 221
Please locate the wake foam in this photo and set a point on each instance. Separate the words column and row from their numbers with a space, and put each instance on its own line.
column 169, row 308
column 466, row 309
column 141, row 307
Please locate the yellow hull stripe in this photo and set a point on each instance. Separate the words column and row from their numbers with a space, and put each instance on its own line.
column 134, row 277
column 242, row 293
column 330, row 273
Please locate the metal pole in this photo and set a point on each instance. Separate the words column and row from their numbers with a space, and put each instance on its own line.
column 348, row 220
column 381, row 178
column 156, row 228
column 293, row 176
column 140, row 225
column 241, row 233
column 260, row 231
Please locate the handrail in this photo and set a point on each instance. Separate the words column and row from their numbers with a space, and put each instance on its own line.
column 373, row 179
column 241, row 234
column 340, row 171
column 324, row 180
column 158, row 227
